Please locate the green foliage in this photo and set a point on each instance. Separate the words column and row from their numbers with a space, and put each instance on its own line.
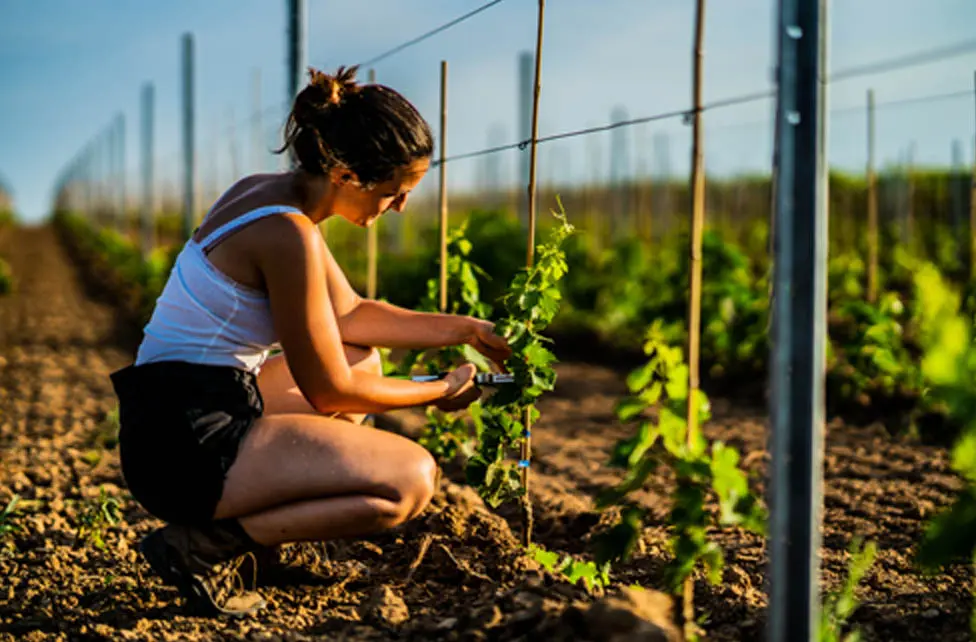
column 95, row 516
column 870, row 359
column 702, row 469
column 949, row 367
column 118, row 263
column 592, row 575
column 447, row 435
column 6, row 278
column 530, row 304
column 840, row 605
column 8, row 523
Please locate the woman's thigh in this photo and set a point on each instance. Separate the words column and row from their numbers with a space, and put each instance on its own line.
column 280, row 392
column 292, row 457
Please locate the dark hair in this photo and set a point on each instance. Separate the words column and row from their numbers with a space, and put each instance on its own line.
column 369, row 129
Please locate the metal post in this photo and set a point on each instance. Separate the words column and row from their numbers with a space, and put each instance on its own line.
column 799, row 326
column 442, row 197
column 147, row 218
column 189, row 218
column 972, row 211
column 256, row 123
column 120, row 177
column 296, row 47
column 872, row 207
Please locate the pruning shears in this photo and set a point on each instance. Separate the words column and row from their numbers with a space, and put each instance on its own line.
column 481, row 378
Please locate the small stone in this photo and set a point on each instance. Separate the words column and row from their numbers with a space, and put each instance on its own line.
column 447, row 624
column 634, row 615
column 386, row 604
column 931, row 613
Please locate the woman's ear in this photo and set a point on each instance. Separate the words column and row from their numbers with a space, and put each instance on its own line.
column 343, row 176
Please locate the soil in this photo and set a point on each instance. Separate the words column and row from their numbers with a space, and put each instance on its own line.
column 455, row 572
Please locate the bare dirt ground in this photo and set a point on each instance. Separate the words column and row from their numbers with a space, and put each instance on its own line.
column 58, row 345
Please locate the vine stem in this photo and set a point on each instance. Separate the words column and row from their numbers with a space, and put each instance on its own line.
column 695, row 277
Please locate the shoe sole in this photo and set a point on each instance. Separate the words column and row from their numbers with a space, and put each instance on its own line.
column 198, row 599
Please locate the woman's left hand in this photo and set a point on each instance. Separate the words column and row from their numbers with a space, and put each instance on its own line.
column 482, row 338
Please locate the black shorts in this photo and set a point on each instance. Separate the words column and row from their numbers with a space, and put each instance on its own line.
column 180, row 428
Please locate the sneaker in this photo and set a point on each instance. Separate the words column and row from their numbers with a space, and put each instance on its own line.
column 284, row 565
column 203, row 565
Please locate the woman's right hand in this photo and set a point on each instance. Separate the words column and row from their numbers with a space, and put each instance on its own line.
column 462, row 391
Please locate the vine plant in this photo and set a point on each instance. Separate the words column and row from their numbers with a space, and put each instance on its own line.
column 949, row 367
column 446, row 435
column 702, row 470
column 530, row 304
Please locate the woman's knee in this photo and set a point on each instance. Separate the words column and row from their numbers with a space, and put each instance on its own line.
column 416, row 483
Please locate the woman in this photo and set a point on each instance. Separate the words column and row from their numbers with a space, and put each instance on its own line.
column 239, row 452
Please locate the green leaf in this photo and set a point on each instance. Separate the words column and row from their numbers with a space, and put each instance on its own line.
column 618, row 542
column 629, row 407
column 951, row 536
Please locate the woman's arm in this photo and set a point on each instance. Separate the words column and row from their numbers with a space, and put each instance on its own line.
column 293, row 261
column 379, row 324
column 384, row 325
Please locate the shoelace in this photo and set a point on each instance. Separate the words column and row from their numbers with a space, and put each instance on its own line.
column 227, row 581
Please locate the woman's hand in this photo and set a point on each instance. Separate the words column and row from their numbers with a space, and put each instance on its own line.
column 482, row 338
column 462, row 391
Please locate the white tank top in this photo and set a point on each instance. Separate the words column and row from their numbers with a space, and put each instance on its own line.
column 203, row 316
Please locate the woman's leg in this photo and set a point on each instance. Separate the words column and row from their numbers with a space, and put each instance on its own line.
column 309, row 477
column 282, row 396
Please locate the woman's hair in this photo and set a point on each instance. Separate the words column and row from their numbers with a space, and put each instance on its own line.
column 369, row 129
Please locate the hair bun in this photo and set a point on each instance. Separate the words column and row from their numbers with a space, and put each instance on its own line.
column 334, row 88
column 323, row 92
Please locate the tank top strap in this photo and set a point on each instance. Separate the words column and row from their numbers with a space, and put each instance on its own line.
column 230, row 227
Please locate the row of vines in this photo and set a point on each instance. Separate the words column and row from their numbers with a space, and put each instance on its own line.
column 911, row 351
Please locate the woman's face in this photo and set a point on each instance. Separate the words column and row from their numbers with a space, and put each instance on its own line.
column 362, row 207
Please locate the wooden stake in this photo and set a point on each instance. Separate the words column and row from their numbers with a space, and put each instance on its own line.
column 872, row 208
column 443, row 188
column 371, row 249
column 910, row 201
column 694, row 298
column 526, row 454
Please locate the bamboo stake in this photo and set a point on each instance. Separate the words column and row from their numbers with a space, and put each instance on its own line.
column 872, row 208
column 526, row 453
column 371, row 253
column 694, row 299
column 910, row 201
column 443, row 188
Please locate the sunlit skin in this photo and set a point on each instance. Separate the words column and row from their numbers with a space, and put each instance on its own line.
column 307, row 469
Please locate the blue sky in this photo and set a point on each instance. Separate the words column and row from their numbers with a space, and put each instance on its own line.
column 67, row 68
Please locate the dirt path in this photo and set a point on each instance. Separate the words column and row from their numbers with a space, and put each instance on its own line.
column 57, row 347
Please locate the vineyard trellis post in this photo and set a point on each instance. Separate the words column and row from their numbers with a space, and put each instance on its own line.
column 972, row 203
column 872, row 185
column 371, row 257
column 296, row 47
column 442, row 190
column 799, row 332
column 120, row 173
column 188, row 143
column 525, row 456
column 910, row 201
column 695, row 270
column 147, row 218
